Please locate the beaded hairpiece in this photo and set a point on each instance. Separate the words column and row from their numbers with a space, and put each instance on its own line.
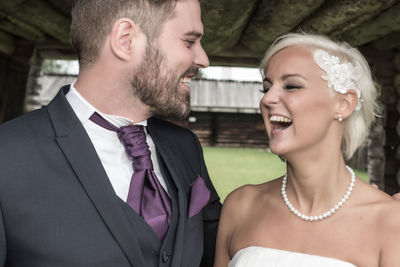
column 343, row 76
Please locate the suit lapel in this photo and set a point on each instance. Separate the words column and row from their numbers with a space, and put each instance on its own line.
column 167, row 154
column 80, row 153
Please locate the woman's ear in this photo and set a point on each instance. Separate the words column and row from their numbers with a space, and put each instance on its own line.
column 122, row 37
column 347, row 103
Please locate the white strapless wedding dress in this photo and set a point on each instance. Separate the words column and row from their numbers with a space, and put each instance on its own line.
column 270, row 257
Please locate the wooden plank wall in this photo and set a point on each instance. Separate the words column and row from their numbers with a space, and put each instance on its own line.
column 227, row 129
column 13, row 77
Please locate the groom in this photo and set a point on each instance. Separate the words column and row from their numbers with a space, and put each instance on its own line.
column 96, row 178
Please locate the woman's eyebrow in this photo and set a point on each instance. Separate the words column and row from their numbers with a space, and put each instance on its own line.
column 286, row 76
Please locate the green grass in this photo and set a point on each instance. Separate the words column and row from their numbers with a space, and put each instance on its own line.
column 230, row 168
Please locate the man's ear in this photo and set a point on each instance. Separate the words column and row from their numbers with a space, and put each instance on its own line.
column 347, row 103
column 122, row 37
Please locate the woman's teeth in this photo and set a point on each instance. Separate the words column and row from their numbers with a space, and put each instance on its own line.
column 280, row 119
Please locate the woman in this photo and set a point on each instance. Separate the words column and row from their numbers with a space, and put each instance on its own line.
column 318, row 105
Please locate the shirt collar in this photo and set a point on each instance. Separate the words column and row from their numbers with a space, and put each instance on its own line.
column 84, row 110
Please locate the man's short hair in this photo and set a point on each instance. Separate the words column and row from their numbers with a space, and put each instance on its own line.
column 92, row 21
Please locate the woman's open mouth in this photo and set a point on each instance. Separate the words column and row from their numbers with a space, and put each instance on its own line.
column 279, row 123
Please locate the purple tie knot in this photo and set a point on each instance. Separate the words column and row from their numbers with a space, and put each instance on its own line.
column 134, row 139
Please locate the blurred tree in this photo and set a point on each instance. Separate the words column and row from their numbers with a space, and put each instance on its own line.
column 200, row 74
column 51, row 66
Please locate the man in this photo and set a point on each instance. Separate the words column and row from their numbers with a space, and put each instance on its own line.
column 68, row 193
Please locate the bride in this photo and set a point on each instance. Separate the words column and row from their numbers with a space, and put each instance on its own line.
column 318, row 105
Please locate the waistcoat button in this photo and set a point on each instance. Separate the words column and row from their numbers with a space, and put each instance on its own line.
column 165, row 257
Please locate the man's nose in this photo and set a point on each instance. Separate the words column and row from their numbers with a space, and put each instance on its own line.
column 201, row 58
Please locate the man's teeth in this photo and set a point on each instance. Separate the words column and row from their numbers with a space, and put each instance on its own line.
column 186, row 80
column 280, row 119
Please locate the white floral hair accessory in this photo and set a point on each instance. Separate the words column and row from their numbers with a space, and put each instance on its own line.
column 343, row 76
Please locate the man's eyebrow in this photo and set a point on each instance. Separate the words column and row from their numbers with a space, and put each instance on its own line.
column 194, row 33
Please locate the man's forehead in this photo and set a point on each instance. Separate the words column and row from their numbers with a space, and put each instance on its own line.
column 186, row 18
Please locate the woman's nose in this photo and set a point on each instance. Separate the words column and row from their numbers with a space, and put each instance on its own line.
column 271, row 96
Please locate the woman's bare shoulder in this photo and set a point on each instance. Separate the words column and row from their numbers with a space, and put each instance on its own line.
column 243, row 199
column 385, row 208
column 389, row 232
column 251, row 192
column 389, row 213
column 377, row 218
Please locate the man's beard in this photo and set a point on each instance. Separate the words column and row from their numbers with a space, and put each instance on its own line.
column 157, row 87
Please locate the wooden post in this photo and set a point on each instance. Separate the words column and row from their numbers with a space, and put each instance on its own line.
column 383, row 166
column 384, row 70
column 13, row 77
column 396, row 84
column 376, row 154
column 33, row 85
column 7, row 43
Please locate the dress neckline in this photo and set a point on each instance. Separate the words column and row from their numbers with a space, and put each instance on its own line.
column 287, row 252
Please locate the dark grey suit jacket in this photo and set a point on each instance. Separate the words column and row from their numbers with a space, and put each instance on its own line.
column 58, row 208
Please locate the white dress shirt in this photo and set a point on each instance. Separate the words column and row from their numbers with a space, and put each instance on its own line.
column 109, row 148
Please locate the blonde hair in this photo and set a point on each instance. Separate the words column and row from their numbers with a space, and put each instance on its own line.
column 357, row 126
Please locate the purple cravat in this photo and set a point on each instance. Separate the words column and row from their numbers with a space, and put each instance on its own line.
column 146, row 195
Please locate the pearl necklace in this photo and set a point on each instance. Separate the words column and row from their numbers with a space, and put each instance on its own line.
column 326, row 214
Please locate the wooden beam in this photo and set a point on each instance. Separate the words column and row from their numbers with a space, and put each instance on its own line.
column 20, row 28
column 54, row 53
column 362, row 19
column 390, row 41
column 240, row 51
column 224, row 22
column 335, row 15
column 55, row 50
column 273, row 18
column 234, row 61
column 7, row 43
column 384, row 24
column 64, row 6
column 40, row 14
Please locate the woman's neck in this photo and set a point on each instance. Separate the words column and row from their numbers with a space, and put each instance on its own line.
column 315, row 186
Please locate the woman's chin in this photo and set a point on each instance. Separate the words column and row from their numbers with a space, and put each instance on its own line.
column 278, row 150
